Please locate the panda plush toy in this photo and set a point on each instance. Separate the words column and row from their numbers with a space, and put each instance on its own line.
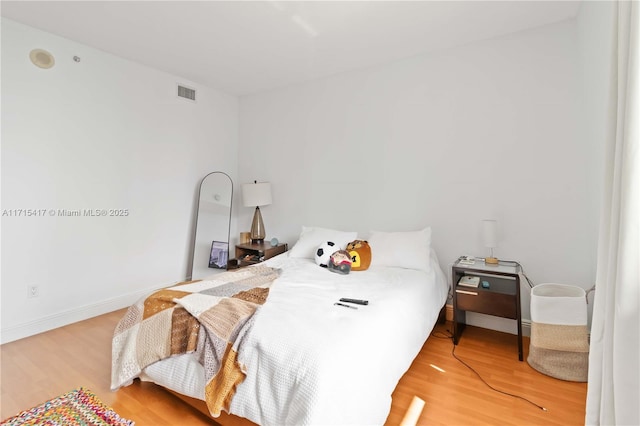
column 324, row 252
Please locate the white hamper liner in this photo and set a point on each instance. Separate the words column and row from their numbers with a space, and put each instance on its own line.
column 559, row 336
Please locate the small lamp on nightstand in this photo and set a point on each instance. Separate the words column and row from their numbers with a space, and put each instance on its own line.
column 490, row 238
column 257, row 194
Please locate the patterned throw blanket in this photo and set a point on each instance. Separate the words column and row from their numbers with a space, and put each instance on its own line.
column 208, row 318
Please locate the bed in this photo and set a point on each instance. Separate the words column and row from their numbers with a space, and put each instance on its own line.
column 305, row 360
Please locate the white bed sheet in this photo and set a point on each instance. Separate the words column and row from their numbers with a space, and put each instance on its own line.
column 311, row 362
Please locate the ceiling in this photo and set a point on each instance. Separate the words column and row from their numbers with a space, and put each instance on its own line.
column 244, row 47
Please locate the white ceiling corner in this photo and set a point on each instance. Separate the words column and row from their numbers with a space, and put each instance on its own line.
column 244, row 47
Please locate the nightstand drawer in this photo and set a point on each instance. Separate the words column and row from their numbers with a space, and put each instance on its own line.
column 486, row 302
column 251, row 254
column 274, row 251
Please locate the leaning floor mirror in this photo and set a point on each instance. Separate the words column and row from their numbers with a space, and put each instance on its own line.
column 213, row 223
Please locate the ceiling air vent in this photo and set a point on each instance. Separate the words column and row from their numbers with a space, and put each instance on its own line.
column 187, row 93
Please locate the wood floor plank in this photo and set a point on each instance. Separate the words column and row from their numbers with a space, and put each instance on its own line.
column 41, row 367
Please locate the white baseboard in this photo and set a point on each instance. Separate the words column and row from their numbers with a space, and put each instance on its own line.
column 494, row 323
column 60, row 319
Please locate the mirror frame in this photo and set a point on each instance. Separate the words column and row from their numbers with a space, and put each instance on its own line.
column 197, row 211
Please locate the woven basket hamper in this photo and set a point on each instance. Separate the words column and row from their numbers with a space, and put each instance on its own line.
column 559, row 336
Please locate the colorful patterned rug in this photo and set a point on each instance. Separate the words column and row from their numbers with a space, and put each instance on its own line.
column 79, row 407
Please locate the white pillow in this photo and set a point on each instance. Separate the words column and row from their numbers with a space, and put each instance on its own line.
column 311, row 238
column 409, row 250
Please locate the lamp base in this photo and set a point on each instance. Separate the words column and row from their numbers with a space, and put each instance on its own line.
column 491, row 260
column 257, row 228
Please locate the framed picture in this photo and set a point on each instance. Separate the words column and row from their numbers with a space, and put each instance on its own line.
column 219, row 255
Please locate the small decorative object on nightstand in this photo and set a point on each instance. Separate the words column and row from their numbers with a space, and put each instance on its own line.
column 497, row 294
column 252, row 253
column 490, row 237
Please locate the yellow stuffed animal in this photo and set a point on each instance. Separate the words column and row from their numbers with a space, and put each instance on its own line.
column 360, row 253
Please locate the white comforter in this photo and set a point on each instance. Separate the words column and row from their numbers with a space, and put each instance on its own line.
column 309, row 361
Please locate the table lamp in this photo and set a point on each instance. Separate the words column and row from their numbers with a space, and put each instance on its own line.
column 257, row 194
column 490, row 238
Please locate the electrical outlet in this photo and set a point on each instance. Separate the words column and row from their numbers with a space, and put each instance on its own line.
column 33, row 291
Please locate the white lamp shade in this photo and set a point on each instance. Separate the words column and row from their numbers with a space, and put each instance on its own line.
column 256, row 194
column 490, row 233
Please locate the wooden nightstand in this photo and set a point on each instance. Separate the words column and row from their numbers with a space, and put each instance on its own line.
column 250, row 254
column 501, row 298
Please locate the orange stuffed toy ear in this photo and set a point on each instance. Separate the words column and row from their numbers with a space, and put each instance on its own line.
column 360, row 253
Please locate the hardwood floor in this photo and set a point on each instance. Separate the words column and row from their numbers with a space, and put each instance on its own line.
column 456, row 396
column 41, row 367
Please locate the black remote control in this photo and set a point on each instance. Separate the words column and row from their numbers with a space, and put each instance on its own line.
column 356, row 301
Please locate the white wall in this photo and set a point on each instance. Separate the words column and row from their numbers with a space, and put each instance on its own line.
column 489, row 130
column 595, row 35
column 104, row 133
column 509, row 128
